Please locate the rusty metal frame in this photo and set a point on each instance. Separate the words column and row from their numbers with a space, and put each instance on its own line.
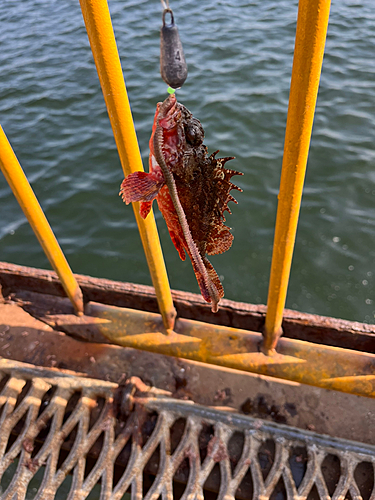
column 323, row 366
column 24, row 338
column 19, row 280
column 326, row 366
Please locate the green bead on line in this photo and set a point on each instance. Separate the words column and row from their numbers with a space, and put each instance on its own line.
column 170, row 90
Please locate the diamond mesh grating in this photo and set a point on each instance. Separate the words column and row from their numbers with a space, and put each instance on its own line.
column 64, row 436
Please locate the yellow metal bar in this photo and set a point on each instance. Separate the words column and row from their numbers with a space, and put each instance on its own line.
column 103, row 45
column 334, row 368
column 22, row 190
column 311, row 33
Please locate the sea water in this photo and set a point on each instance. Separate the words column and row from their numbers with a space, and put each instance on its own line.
column 240, row 56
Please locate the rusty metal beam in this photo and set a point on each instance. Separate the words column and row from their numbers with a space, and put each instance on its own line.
column 297, row 325
column 24, row 338
column 322, row 366
column 346, row 370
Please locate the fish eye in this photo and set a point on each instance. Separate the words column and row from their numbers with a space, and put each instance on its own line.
column 194, row 132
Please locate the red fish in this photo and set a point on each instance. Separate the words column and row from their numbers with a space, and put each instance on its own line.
column 191, row 188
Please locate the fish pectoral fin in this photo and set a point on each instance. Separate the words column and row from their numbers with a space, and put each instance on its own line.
column 140, row 186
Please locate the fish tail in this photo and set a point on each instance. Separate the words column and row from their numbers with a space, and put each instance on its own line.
column 214, row 278
column 216, row 288
column 211, row 289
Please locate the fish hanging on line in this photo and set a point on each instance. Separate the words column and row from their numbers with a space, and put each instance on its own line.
column 192, row 190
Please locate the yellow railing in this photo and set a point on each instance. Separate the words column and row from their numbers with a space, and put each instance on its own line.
column 308, row 57
column 103, row 45
column 320, row 365
column 311, row 35
column 26, row 198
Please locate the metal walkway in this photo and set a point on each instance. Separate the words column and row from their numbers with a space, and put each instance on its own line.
column 61, row 433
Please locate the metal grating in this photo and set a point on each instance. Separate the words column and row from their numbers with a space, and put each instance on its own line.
column 65, row 436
